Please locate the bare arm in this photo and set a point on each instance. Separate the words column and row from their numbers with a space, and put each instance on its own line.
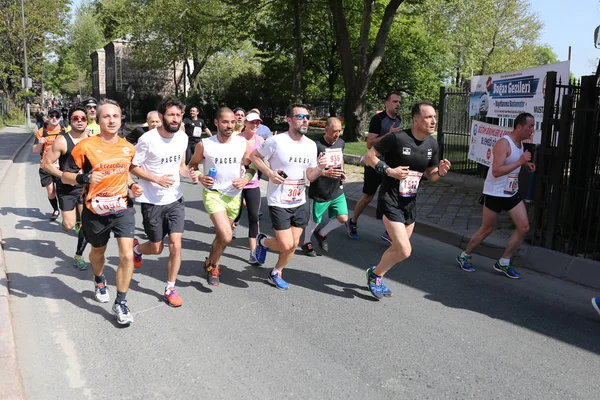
column 258, row 160
column 314, row 173
column 37, row 148
column 198, row 156
column 501, row 152
column 208, row 132
column 58, row 148
column 373, row 138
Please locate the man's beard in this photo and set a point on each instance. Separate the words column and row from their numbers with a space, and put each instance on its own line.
column 227, row 133
column 303, row 130
column 168, row 127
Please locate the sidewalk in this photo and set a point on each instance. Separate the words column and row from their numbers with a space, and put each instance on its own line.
column 12, row 140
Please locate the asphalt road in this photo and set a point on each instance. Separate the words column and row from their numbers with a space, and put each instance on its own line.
column 446, row 334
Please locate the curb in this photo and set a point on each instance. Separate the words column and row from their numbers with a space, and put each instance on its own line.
column 11, row 384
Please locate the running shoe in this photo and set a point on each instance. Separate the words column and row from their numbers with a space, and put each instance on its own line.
column 386, row 237
column 374, row 282
column 122, row 312
column 384, row 290
column 352, row 229
column 307, row 249
column 137, row 258
column 252, row 259
column 465, row 262
column 233, row 231
column 322, row 240
column 596, row 304
column 54, row 215
column 172, row 297
column 508, row 270
column 77, row 227
column 261, row 251
column 101, row 292
column 277, row 281
column 80, row 263
column 212, row 273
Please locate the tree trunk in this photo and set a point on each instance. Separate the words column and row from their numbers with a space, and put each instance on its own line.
column 298, row 64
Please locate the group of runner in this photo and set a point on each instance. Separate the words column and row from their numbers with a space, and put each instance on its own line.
column 92, row 173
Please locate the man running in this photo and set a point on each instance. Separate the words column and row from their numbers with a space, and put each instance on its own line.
column 152, row 121
column 240, row 119
column 69, row 196
column 159, row 162
column 44, row 138
column 382, row 124
column 409, row 155
column 292, row 158
column 90, row 104
column 501, row 193
column 228, row 154
column 194, row 128
column 326, row 192
column 105, row 160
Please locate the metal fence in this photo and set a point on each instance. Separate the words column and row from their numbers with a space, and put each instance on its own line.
column 5, row 106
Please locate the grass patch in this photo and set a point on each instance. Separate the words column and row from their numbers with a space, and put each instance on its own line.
column 355, row 148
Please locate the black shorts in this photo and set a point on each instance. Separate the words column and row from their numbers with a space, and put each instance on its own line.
column 284, row 218
column 372, row 180
column 406, row 213
column 161, row 220
column 46, row 178
column 498, row 204
column 68, row 196
column 97, row 228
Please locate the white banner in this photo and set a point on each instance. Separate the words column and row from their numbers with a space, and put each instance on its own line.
column 508, row 94
column 483, row 138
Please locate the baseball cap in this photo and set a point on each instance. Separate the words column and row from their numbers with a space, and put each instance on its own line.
column 253, row 117
column 88, row 100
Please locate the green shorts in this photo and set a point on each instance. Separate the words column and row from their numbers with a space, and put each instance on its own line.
column 336, row 207
column 215, row 202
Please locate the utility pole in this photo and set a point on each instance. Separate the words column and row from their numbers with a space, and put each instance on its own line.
column 26, row 80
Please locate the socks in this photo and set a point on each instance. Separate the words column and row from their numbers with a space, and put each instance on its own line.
column 81, row 243
column 99, row 279
column 463, row 254
column 275, row 272
column 54, row 203
column 331, row 225
column 308, row 232
column 121, row 297
column 505, row 261
column 169, row 286
column 135, row 250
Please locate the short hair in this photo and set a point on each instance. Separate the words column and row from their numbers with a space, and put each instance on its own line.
column 77, row 108
column 105, row 102
column 196, row 107
column 150, row 113
column 331, row 121
column 289, row 112
column 416, row 108
column 237, row 109
column 169, row 102
column 522, row 119
column 393, row 92
column 255, row 110
column 222, row 111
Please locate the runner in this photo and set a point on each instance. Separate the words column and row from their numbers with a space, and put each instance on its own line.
column 326, row 192
column 195, row 128
column 251, row 193
column 227, row 154
column 105, row 160
column 159, row 161
column 382, row 124
column 152, row 121
column 501, row 193
column 44, row 138
column 240, row 118
column 69, row 196
column 409, row 155
column 90, row 104
column 292, row 158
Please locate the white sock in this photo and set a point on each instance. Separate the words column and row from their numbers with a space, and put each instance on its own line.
column 331, row 225
column 261, row 241
column 170, row 285
column 505, row 261
column 309, row 230
column 275, row 272
column 135, row 250
column 464, row 253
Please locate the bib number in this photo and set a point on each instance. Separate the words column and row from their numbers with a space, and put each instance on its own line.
column 512, row 184
column 292, row 191
column 334, row 158
column 197, row 132
column 408, row 186
column 109, row 205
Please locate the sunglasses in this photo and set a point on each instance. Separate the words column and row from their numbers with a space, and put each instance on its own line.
column 78, row 119
column 300, row 117
column 89, row 107
column 54, row 116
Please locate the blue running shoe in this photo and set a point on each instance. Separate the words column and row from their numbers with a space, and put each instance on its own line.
column 596, row 304
column 352, row 229
column 252, row 259
column 277, row 281
column 261, row 251
column 384, row 289
column 374, row 282
column 508, row 270
column 386, row 237
column 464, row 262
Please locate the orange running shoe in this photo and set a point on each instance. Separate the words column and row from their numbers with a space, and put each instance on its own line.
column 172, row 297
column 212, row 273
column 137, row 258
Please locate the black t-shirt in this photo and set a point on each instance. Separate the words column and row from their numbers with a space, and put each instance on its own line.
column 190, row 124
column 403, row 149
column 133, row 136
column 325, row 188
column 382, row 123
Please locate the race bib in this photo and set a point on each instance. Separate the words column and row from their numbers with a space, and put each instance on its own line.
column 512, row 183
column 292, row 191
column 197, row 132
column 109, row 205
column 409, row 185
column 334, row 158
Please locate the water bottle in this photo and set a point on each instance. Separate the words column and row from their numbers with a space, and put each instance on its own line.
column 212, row 173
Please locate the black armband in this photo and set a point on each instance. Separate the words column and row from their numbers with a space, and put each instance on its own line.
column 381, row 168
column 82, row 179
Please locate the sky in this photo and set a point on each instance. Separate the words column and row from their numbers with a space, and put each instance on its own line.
column 570, row 23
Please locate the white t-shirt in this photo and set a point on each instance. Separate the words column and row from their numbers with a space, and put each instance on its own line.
column 160, row 156
column 294, row 158
column 227, row 158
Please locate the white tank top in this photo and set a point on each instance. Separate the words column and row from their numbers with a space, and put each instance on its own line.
column 505, row 185
column 227, row 159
